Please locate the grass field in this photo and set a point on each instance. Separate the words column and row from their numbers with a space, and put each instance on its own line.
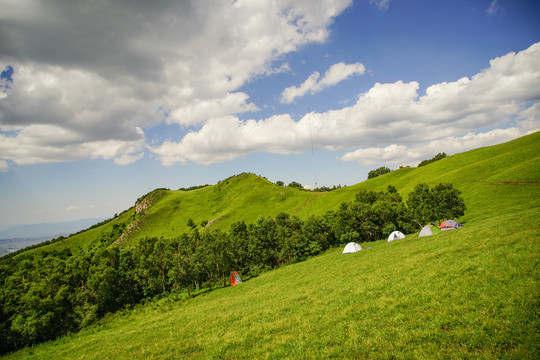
column 468, row 293
column 471, row 293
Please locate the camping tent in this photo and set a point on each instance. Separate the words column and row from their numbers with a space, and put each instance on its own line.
column 449, row 225
column 351, row 248
column 426, row 231
column 235, row 278
column 395, row 235
column 429, row 230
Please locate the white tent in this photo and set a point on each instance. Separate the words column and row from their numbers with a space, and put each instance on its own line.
column 351, row 248
column 395, row 235
column 426, row 231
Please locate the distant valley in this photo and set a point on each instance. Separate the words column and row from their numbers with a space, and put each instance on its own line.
column 21, row 236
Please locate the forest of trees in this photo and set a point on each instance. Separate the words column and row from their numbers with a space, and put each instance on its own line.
column 47, row 294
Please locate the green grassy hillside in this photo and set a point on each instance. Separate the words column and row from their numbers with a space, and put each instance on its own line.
column 487, row 177
column 242, row 197
column 467, row 293
column 165, row 213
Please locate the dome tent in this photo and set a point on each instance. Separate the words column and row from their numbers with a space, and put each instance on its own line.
column 395, row 235
column 429, row 230
column 450, row 225
column 351, row 247
column 426, row 231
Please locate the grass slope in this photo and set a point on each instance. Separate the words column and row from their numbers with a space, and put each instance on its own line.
column 243, row 197
column 467, row 293
column 484, row 175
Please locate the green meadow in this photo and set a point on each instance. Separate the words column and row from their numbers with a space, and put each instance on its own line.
column 471, row 293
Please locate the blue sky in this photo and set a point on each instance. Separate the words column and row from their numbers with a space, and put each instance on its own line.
column 101, row 102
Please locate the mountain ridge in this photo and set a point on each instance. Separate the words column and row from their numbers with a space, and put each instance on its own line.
column 247, row 197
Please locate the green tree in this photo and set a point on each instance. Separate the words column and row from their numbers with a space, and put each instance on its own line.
column 435, row 204
column 239, row 240
column 183, row 271
column 420, row 204
column 295, row 185
column 263, row 246
column 378, row 172
column 448, row 202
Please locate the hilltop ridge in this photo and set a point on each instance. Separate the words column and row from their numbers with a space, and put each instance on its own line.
column 247, row 197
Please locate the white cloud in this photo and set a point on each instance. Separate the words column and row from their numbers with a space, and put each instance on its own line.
column 381, row 4
column 89, row 75
column 4, row 166
column 198, row 111
column 531, row 118
column 49, row 143
column 227, row 138
column 412, row 155
column 336, row 73
column 387, row 114
column 493, row 7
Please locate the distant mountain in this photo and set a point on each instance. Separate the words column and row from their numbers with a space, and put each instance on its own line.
column 45, row 231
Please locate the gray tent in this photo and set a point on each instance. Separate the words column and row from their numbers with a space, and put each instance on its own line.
column 426, row 231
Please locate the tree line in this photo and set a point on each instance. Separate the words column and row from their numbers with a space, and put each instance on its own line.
column 48, row 294
column 383, row 169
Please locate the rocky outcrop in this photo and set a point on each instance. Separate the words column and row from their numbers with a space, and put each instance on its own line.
column 212, row 222
column 145, row 202
column 141, row 206
column 131, row 228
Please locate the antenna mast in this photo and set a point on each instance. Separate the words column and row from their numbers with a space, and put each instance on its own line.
column 312, row 149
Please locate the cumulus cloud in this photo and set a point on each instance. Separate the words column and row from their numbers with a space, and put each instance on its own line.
column 412, row 155
column 336, row 73
column 199, row 111
column 228, row 138
column 387, row 115
column 4, row 166
column 531, row 118
column 89, row 76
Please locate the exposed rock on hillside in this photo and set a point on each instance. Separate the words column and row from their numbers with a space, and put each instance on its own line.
column 145, row 202
column 141, row 206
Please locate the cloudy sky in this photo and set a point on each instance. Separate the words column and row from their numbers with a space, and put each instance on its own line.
column 103, row 101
